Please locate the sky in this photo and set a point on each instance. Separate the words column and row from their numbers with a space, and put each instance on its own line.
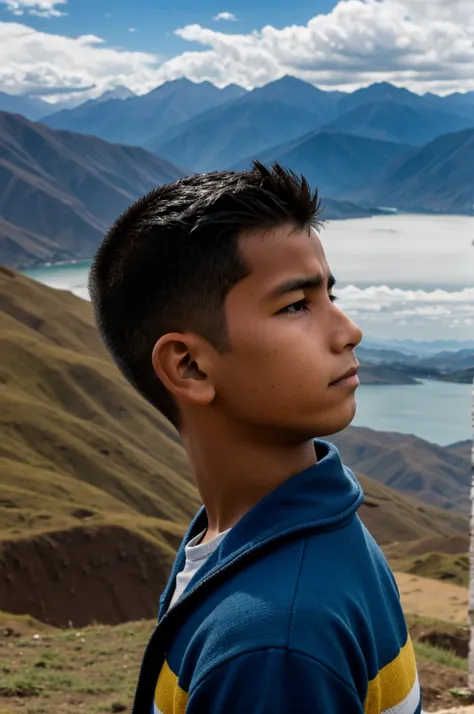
column 63, row 48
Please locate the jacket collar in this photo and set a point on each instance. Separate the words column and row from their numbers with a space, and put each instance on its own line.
column 318, row 498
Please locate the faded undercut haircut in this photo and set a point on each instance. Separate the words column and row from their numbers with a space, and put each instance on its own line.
column 168, row 262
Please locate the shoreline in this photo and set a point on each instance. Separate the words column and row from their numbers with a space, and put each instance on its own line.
column 379, row 212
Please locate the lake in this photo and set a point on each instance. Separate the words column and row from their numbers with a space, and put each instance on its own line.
column 405, row 276
column 399, row 277
column 436, row 411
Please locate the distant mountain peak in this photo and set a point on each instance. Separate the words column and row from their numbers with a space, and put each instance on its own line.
column 233, row 85
column 289, row 83
column 290, row 80
column 386, row 88
column 118, row 92
column 289, row 86
column 174, row 84
column 382, row 85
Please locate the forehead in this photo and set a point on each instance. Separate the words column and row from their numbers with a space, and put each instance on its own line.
column 283, row 253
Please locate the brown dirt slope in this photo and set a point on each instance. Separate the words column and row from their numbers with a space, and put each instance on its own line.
column 95, row 489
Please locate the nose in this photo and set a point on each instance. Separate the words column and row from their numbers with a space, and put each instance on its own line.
column 348, row 335
column 356, row 333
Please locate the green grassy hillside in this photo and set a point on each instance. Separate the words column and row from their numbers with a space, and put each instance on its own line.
column 95, row 488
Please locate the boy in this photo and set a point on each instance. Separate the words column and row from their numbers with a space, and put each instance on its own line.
column 214, row 296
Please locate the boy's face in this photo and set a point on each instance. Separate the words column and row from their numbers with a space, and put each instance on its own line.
column 286, row 348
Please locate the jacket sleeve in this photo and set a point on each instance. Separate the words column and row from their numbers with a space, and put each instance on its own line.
column 273, row 681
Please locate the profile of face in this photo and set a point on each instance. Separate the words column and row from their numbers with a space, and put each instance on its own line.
column 288, row 343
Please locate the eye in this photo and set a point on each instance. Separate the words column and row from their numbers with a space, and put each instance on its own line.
column 296, row 308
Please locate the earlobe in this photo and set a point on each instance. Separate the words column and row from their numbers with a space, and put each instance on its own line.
column 180, row 365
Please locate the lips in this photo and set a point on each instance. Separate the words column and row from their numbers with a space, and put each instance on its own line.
column 346, row 377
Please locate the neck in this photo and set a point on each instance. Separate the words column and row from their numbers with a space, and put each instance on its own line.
column 233, row 471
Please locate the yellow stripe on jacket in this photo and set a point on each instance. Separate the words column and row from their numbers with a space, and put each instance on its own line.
column 394, row 685
column 169, row 697
column 391, row 690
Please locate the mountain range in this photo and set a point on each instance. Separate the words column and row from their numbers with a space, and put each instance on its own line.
column 387, row 366
column 444, row 360
column 59, row 191
column 417, row 348
column 379, row 145
column 35, row 108
column 74, row 186
column 137, row 120
column 392, row 121
column 288, row 109
column 463, row 104
column 95, row 484
column 220, row 133
column 240, row 123
column 273, row 114
column 29, row 107
column 437, row 177
column 362, row 150
column 340, row 163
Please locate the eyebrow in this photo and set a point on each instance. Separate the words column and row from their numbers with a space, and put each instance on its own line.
column 316, row 282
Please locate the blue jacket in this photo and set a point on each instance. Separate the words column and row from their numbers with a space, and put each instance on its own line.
column 296, row 612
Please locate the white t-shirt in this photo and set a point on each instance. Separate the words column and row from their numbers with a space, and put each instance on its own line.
column 196, row 554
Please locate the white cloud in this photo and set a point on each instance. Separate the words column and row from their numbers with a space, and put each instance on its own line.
column 427, row 314
column 132, row 29
column 31, row 60
column 424, row 45
column 40, row 8
column 225, row 16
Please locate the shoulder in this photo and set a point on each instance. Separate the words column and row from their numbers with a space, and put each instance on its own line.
column 294, row 598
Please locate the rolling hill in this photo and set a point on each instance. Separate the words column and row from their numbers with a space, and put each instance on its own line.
column 137, row 120
column 92, row 480
column 443, row 360
column 449, row 361
column 267, row 116
column 419, row 348
column 337, row 163
column 380, row 365
column 392, row 121
column 461, row 376
column 94, row 483
column 371, row 373
column 437, row 177
column 440, row 476
column 72, row 185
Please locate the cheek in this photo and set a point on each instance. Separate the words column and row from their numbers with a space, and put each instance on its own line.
column 272, row 363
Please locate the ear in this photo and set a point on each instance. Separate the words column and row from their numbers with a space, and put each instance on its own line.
column 182, row 362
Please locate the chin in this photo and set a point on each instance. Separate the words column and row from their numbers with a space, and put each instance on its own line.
column 338, row 420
